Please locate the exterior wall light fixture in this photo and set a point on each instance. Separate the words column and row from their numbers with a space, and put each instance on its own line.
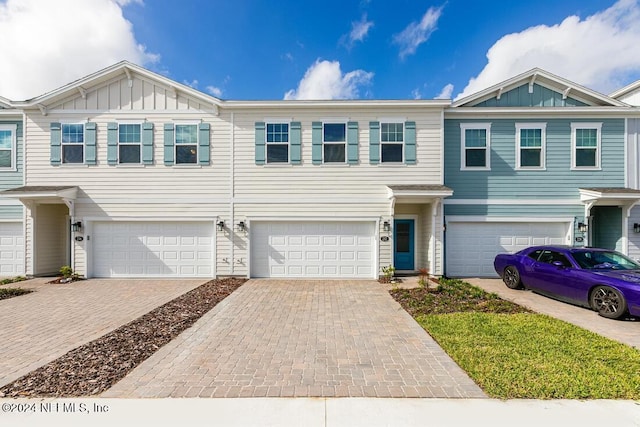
column 582, row 227
column 386, row 226
column 242, row 226
column 220, row 225
column 76, row 226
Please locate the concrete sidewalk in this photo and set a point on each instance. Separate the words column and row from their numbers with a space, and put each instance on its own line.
column 323, row 412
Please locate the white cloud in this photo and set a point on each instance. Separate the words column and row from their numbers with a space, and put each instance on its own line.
column 446, row 92
column 324, row 80
column 215, row 91
column 417, row 33
column 359, row 31
column 416, row 94
column 192, row 84
column 56, row 42
column 600, row 51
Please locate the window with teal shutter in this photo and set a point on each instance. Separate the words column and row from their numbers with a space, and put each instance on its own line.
column 374, row 142
column 72, row 142
column 410, row 155
column 391, row 142
column 204, row 144
column 259, row 143
column 168, row 144
column 352, row 143
column 129, row 143
column 277, row 143
column 147, row 143
column 112, row 143
column 296, row 143
column 55, row 139
column 316, row 143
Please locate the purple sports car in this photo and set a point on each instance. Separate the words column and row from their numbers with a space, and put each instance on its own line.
column 603, row 280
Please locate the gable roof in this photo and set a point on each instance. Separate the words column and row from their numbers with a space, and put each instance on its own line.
column 123, row 68
column 4, row 103
column 633, row 87
column 546, row 79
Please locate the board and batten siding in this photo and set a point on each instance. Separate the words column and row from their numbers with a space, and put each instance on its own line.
column 557, row 180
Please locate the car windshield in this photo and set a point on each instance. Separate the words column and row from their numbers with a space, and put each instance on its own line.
column 607, row 260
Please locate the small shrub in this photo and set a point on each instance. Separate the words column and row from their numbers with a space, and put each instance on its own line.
column 12, row 280
column 424, row 276
column 66, row 271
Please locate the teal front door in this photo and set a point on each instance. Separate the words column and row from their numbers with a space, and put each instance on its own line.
column 606, row 227
column 404, row 244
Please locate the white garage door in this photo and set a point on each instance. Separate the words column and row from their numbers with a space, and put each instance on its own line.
column 152, row 249
column 472, row 246
column 313, row 249
column 11, row 249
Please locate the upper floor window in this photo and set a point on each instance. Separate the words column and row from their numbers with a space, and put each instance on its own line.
column 72, row 142
column 531, row 145
column 277, row 143
column 334, row 142
column 129, row 142
column 586, row 142
column 7, row 146
column 391, row 142
column 186, row 143
column 476, row 147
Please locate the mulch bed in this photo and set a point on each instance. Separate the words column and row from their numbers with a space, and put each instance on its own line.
column 452, row 296
column 96, row 366
column 6, row 293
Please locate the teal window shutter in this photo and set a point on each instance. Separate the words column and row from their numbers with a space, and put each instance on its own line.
column 295, row 140
column 260, row 143
column 374, row 143
column 168, row 144
column 147, row 143
column 204, row 144
column 410, row 143
column 352, row 143
column 112, row 143
column 56, row 139
column 90, row 143
column 316, row 143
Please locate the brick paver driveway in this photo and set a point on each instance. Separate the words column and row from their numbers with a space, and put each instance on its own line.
column 301, row 338
column 42, row 326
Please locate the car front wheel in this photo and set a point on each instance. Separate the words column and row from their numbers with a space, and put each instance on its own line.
column 608, row 302
column 511, row 277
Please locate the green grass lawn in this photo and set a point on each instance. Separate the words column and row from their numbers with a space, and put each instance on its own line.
column 513, row 353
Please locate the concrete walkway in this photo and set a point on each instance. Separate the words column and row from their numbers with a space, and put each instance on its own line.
column 625, row 331
column 324, row 412
column 299, row 338
column 41, row 326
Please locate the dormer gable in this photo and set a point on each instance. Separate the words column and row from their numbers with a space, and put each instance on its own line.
column 629, row 94
column 537, row 88
column 124, row 86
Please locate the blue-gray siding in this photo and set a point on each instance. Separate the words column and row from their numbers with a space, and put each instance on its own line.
column 503, row 181
column 540, row 97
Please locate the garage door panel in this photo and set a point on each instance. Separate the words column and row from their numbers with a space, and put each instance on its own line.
column 312, row 249
column 152, row 249
column 472, row 246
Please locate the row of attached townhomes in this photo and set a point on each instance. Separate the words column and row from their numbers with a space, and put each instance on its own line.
column 126, row 173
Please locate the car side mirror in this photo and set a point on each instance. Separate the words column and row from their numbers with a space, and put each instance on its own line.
column 558, row 264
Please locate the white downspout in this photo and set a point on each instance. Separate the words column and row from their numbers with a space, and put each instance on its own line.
column 232, row 195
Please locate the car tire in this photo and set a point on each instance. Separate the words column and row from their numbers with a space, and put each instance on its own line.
column 608, row 302
column 511, row 277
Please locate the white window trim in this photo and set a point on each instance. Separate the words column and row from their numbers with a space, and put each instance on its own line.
column 584, row 125
column 14, row 147
column 395, row 122
column 129, row 122
column 176, row 145
column 344, row 143
column 543, row 146
column 467, row 126
column 84, row 142
column 266, row 144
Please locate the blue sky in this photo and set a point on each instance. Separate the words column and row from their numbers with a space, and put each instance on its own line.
column 258, row 49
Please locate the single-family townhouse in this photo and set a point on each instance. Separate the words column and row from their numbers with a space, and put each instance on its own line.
column 630, row 95
column 11, row 175
column 536, row 159
column 133, row 174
